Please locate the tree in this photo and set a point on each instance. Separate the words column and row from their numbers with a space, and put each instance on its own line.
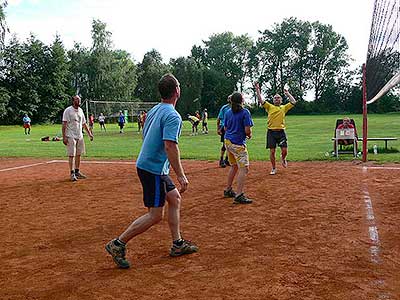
column 327, row 57
column 190, row 76
column 150, row 70
column 3, row 25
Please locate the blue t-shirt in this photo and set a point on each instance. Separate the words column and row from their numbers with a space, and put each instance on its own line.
column 163, row 123
column 26, row 120
column 121, row 119
column 221, row 114
column 235, row 124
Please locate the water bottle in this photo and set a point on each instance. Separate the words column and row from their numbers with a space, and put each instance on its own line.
column 375, row 149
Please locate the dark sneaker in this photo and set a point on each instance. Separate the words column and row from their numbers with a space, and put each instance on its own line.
column 118, row 254
column 222, row 163
column 227, row 162
column 73, row 177
column 187, row 247
column 229, row 193
column 79, row 175
column 242, row 199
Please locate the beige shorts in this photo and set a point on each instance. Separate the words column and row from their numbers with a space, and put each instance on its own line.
column 237, row 154
column 75, row 147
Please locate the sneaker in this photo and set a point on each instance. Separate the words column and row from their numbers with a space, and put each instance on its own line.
column 273, row 172
column 229, row 193
column 227, row 162
column 187, row 247
column 79, row 175
column 118, row 254
column 242, row 199
column 73, row 177
column 222, row 163
column 284, row 162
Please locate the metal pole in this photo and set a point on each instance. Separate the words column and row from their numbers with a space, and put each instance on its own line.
column 87, row 110
column 365, row 120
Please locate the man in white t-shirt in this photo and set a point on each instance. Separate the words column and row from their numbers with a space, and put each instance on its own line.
column 72, row 123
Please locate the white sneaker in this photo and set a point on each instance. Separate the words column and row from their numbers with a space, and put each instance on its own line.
column 284, row 162
column 273, row 172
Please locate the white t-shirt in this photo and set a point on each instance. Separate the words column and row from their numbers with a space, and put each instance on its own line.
column 75, row 119
column 101, row 118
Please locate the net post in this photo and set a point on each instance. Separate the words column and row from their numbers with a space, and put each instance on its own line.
column 365, row 120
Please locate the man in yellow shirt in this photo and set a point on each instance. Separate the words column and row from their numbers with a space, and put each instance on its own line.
column 276, row 124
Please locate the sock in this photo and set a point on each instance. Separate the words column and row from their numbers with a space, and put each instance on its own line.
column 178, row 242
column 72, row 171
column 118, row 242
column 76, row 171
column 222, row 158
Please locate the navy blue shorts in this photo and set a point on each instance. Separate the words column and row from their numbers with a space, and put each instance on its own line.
column 276, row 137
column 155, row 188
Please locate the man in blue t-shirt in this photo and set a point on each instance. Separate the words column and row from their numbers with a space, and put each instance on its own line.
column 221, row 131
column 238, row 125
column 121, row 122
column 159, row 150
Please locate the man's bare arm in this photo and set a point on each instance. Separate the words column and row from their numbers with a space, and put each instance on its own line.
column 174, row 158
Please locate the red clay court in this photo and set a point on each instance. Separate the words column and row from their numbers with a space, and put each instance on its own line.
column 316, row 230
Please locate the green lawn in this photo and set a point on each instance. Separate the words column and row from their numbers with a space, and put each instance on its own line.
column 309, row 139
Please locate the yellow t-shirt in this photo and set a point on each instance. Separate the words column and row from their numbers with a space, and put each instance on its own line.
column 276, row 114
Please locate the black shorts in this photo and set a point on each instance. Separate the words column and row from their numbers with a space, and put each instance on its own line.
column 222, row 135
column 121, row 124
column 276, row 137
column 155, row 188
column 204, row 124
column 101, row 123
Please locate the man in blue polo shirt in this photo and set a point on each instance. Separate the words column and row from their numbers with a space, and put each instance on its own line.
column 159, row 150
column 221, row 131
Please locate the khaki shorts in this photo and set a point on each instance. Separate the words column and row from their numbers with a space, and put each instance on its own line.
column 75, row 147
column 237, row 154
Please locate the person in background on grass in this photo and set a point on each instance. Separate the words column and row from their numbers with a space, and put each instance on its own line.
column 102, row 122
column 276, row 124
column 195, row 123
column 238, row 125
column 91, row 122
column 144, row 116
column 221, row 131
column 139, row 120
column 121, row 122
column 205, row 121
column 346, row 124
column 27, row 124
column 159, row 150
column 73, row 121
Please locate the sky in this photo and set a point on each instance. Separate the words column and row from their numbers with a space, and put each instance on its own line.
column 173, row 27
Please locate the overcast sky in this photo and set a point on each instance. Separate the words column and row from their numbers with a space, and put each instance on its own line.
column 173, row 27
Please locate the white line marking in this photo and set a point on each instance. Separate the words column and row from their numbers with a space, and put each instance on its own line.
column 374, row 249
column 383, row 168
column 25, row 166
column 65, row 161
column 98, row 162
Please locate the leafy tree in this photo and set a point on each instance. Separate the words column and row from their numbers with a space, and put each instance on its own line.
column 150, row 70
column 3, row 25
column 190, row 76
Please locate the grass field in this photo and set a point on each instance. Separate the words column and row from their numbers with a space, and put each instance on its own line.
column 309, row 139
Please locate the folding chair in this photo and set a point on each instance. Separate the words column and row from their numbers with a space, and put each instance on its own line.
column 349, row 134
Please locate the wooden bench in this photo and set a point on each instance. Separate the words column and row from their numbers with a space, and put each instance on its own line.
column 386, row 139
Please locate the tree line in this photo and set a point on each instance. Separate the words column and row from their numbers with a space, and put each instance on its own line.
column 39, row 79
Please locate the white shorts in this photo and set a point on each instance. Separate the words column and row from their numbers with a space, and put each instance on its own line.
column 75, row 147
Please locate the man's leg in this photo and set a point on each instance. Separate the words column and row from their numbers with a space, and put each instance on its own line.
column 174, row 206
column 231, row 176
column 272, row 159
column 117, row 247
column 141, row 224
column 284, row 151
column 179, row 245
column 241, row 179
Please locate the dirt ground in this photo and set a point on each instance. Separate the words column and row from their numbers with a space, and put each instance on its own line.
column 306, row 236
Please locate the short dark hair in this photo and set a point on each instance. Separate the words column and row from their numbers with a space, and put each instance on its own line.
column 167, row 86
column 236, row 102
